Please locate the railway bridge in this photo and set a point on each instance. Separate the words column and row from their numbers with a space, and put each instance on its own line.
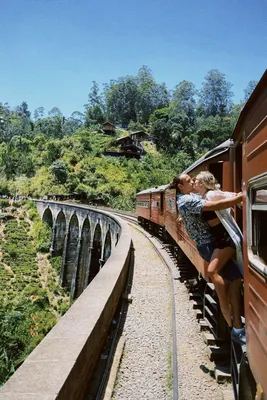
column 83, row 237
column 96, row 248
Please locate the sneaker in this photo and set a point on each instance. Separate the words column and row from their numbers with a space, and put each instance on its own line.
column 239, row 336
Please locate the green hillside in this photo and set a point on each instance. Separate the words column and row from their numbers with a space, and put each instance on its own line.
column 31, row 299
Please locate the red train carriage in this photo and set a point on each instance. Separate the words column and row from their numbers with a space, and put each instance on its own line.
column 143, row 206
column 150, row 208
column 249, row 161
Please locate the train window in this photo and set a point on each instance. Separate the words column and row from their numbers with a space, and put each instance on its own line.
column 259, row 237
column 257, row 227
column 260, row 196
column 142, row 203
column 155, row 204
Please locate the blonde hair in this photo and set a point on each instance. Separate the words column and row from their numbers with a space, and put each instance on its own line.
column 208, row 180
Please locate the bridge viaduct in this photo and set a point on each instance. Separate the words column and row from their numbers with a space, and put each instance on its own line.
column 83, row 237
column 96, row 250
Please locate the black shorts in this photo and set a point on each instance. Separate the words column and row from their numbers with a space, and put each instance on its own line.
column 221, row 237
column 229, row 272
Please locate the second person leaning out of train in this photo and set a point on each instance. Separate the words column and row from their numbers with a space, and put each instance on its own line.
column 222, row 270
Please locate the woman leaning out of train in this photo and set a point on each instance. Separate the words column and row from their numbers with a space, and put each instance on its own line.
column 227, row 243
column 191, row 207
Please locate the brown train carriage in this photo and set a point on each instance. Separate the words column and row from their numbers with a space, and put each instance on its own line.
column 143, row 206
column 150, row 207
column 249, row 166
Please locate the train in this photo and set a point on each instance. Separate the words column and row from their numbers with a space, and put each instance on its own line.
column 238, row 164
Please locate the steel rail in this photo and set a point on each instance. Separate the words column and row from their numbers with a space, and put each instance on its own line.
column 174, row 330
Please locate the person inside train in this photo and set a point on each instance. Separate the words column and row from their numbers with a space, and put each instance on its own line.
column 190, row 207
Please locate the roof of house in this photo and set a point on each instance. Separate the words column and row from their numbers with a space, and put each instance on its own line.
column 108, row 123
column 139, row 132
column 123, row 137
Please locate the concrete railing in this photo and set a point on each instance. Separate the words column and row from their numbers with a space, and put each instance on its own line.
column 60, row 367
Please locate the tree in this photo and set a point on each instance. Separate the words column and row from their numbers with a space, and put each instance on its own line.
column 121, row 96
column 77, row 116
column 215, row 95
column 51, row 128
column 38, row 113
column 94, row 115
column 183, row 100
column 60, row 171
column 94, row 110
column 94, row 98
column 161, row 133
column 23, row 110
column 249, row 89
column 212, row 131
column 150, row 95
column 55, row 112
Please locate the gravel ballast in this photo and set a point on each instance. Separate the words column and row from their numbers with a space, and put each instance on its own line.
column 145, row 369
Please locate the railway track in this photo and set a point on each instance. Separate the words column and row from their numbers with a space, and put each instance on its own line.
column 98, row 390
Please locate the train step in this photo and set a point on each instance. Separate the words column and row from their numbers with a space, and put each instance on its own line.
column 210, row 300
column 197, row 304
column 199, row 314
column 209, row 338
column 211, row 327
column 210, row 286
column 194, row 296
column 209, row 316
column 203, row 325
column 222, row 373
column 218, row 353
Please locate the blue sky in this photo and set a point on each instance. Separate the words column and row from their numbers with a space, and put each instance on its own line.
column 52, row 50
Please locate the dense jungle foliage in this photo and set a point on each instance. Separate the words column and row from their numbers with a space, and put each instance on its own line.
column 31, row 299
column 43, row 154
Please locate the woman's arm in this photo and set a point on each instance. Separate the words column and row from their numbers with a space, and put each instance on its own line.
column 215, row 195
column 223, row 203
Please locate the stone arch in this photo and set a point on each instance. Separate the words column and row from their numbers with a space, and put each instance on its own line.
column 84, row 259
column 48, row 217
column 96, row 253
column 107, row 247
column 71, row 252
column 60, row 232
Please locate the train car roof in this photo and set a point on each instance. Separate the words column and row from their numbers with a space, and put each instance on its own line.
column 259, row 89
column 161, row 188
column 222, row 148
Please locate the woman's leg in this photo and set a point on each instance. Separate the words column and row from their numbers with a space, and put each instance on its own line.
column 218, row 259
column 221, row 290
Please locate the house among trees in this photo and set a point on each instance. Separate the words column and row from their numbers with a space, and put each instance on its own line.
column 129, row 146
column 139, row 135
column 109, row 128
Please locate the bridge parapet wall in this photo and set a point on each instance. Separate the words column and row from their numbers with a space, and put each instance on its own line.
column 60, row 367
